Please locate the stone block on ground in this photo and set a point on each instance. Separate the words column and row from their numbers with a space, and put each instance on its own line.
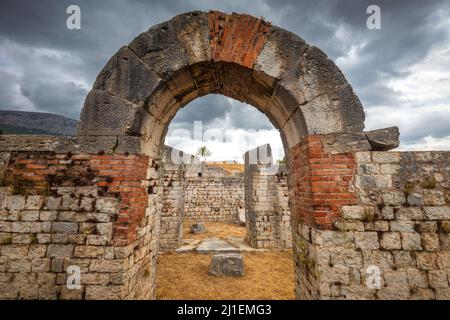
column 216, row 245
column 197, row 228
column 227, row 264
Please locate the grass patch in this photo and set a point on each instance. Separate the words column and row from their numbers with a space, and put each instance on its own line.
column 268, row 275
column 429, row 183
column 219, row 230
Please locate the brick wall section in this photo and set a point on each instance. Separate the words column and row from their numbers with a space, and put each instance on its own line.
column 237, row 38
column 118, row 175
column 61, row 210
column 127, row 174
column 320, row 182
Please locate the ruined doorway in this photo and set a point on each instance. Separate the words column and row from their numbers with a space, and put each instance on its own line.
column 295, row 85
column 223, row 203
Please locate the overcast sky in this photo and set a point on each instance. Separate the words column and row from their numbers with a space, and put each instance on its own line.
column 401, row 73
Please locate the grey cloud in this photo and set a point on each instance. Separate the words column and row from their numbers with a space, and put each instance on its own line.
column 62, row 98
column 213, row 109
column 410, row 30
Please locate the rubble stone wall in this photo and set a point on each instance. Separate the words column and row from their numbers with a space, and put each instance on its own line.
column 63, row 212
column 215, row 199
column 398, row 228
column 172, row 212
column 268, row 217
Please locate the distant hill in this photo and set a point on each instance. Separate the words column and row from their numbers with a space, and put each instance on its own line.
column 23, row 122
column 229, row 166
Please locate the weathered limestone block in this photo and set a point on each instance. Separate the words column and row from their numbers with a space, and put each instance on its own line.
column 104, row 114
column 366, row 240
column 433, row 197
column 336, row 274
column 127, row 77
column 437, row 213
column 160, row 49
column 411, row 241
column 402, row 226
column 15, row 203
column 107, row 205
column 405, row 213
column 430, row 242
column 60, row 250
column 102, row 292
column 353, row 212
column 391, row 241
column 415, row 199
column 345, row 142
column 65, row 227
column 396, row 288
column 438, row 279
column 229, row 264
column 192, row 29
column 384, row 139
column 34, row 202
column 417, row 279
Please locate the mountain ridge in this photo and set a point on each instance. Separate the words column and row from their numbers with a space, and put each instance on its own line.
column 31, row 122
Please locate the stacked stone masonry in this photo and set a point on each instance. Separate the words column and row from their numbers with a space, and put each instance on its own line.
column 268, row 217
column 96, row 200
column 212, row 195
column 400, row 224
column 198, row 193
column 87, row 211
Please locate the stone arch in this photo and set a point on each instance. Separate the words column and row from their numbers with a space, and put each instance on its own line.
column 144, row 84
column 302, row 92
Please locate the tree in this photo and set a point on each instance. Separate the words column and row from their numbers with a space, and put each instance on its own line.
column 281, row 161
column 203, row 152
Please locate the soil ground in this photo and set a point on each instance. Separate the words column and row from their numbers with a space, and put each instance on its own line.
column 215, row 229
column 268, row 274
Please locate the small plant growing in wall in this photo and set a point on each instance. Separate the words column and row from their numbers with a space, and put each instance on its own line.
column 7, row 240
column 444, row 227
column 368, row 216
column 409, row 188
column 204, row 152
column 33, row 239
column 429, row 183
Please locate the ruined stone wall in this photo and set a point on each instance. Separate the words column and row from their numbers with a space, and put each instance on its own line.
column 398, row 224
column 89, row 211
column 211, row 195
column 172, row 213
column 268, row 217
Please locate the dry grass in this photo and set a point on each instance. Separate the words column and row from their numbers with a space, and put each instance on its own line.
column 268, row 275
column 219, row 230
column 228, row 167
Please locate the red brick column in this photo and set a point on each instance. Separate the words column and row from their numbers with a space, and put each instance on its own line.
column 320, row 183
column 125, row 174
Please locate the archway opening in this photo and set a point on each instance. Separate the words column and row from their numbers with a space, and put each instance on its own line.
column 215, row 202
column 295, row 85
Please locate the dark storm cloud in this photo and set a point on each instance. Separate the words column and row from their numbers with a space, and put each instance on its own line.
column 57, row 80
column 214, row 109
column 206, row 109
